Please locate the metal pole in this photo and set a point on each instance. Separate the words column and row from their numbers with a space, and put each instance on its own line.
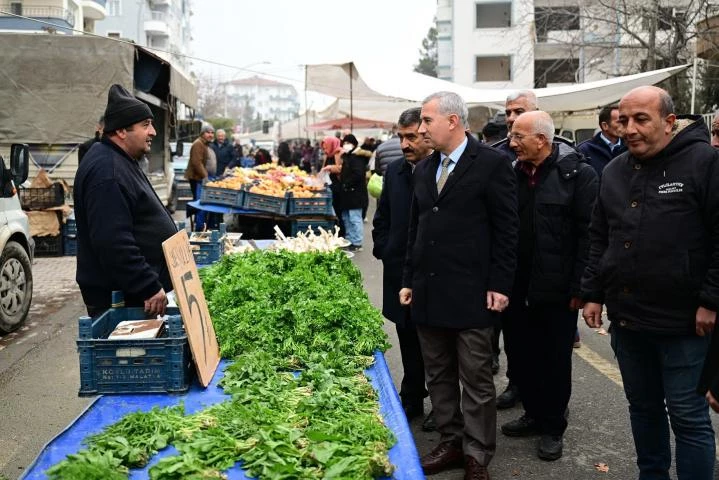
column 351, row 101
column 694, row 84
column 306, row 108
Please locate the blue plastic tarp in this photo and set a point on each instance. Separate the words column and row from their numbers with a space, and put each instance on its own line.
column 107, row 410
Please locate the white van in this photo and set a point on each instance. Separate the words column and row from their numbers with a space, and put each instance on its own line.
column 17, row 245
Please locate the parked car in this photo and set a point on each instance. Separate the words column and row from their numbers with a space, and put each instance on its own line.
column 17, row 245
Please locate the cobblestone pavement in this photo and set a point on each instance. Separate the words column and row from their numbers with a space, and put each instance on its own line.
column 53, row 285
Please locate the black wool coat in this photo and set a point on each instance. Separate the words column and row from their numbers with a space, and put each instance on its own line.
column 389, row 234
column 462, row 242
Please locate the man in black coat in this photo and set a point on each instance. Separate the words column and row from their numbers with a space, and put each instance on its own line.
column 390, row 245
column 461, row 257
column 224, row 151
column 607, row 144
column 121, row 223
column 654, row 263
column 556, row 193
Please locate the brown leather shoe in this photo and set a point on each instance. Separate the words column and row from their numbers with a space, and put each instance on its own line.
column 473, row 470
column 445, row 456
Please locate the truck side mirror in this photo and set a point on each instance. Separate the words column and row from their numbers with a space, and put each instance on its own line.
column 179, row 148
column 19, row 162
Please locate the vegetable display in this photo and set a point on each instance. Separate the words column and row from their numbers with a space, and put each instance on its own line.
column 275, row 181
column 300, row 330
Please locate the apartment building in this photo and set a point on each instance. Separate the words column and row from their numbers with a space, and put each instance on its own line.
column 540, row 43
column 270, row 99
column 160, row 24
column 51, row 16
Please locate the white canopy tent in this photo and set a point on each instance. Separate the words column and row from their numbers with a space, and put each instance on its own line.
column 362, row 82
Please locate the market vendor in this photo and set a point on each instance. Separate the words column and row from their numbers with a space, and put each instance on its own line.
column 121, row 223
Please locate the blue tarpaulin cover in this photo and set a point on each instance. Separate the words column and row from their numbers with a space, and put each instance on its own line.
column 106, row 410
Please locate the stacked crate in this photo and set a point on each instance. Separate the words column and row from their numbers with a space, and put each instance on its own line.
column 43, row 202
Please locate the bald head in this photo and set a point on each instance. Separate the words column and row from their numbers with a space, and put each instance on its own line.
column 646, row 115
column 532, row 136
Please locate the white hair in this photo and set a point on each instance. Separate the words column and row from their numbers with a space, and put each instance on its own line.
column 528, row 94
column 451, row 104
column 220, row 131
column 544, row 124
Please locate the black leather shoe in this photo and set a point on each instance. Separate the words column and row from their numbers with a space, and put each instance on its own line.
column 429, row 425
column 445, row 456
column 413, row 410
column 550, row 447
column 524, row 426
column 495, row 364
column 508, row 398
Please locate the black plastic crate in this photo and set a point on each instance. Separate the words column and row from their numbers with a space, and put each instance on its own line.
column 318, row 205
column 42, row 198
column 265, row 203
column 162, row 364
column 48, row 246
column 297, row 226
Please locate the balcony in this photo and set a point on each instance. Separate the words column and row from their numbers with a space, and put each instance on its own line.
column 61, row 17
column 94, row 9
column 158, row 25
column 161, row 2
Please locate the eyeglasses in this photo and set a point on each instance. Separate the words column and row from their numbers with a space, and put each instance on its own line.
column 519, row 137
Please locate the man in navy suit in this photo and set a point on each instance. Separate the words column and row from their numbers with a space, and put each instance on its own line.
column 607, row 144
column 459, row 271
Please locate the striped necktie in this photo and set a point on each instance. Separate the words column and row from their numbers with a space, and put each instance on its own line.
column 444, row 174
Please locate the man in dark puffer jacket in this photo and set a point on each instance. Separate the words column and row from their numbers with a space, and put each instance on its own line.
column 654, row 263
column 121, row 223
column 556, row 193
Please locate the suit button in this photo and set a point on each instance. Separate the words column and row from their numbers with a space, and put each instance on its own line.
column 432, row 274
column 637, row 166
column 435, row 209
column 431, row 243
column 622, row 323
column 634, row 204
column 627, row 244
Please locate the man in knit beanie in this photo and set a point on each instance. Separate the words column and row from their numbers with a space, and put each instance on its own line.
column 121, row 223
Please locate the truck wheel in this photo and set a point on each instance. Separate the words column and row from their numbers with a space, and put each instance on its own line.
column 172, row 201
column 15, row 286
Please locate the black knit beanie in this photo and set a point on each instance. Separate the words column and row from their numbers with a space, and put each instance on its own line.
column 123, row 109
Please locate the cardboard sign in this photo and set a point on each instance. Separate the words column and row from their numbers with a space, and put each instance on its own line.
column 193, row 307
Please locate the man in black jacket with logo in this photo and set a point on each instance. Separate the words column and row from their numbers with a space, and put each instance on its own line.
column 654, row 263
column 390, row 245
column 121, row 223
column 461, row 257
column 556, row 193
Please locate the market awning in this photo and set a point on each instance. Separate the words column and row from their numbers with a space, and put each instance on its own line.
column 182, row 88
column 347, row 122
column 366, row 81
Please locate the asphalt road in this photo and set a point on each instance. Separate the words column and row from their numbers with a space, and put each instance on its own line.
column 39, row 380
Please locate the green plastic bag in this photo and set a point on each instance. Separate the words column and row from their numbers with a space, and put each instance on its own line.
column 374, row 187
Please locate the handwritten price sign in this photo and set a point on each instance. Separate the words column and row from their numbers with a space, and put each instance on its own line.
column 193, row 307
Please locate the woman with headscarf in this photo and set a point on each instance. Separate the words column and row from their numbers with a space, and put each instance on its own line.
column 333, row 165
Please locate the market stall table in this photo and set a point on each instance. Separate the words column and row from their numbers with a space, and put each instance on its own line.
column 106, row 410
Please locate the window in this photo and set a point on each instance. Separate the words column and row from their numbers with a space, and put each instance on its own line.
column 550, row 19
column 556, row 70
column 114, row 8
column 493, row 15
column 493, row 69
column 665, row 20
column 114, row 34
column 16, row 8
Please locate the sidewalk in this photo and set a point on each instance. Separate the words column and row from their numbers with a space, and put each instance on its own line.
column 53, row 283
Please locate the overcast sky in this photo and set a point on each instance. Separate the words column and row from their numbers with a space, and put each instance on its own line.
column 277, row 36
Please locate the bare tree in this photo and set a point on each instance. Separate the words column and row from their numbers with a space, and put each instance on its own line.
column 211, row 95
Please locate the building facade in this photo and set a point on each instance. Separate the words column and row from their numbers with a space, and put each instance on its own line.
column 540, row 43
column 160, row 24
column 269, row 99
column 52, row 16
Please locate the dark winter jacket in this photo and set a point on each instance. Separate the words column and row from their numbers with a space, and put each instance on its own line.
column 386, row 153
column 598, row 154
column 353, row 183
column 121, row 224
column 390, row 235
column 654, row 255
column 461, row 242
column 225, row 153
column 503, row 146
column 562, row 204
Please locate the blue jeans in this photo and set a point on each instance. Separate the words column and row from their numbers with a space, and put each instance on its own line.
column 660, row 374
column 353, row 225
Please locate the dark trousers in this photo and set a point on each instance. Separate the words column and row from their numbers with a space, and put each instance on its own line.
column 468, row 417
column 542, row 339
column 660, row 375
column 412, row 391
